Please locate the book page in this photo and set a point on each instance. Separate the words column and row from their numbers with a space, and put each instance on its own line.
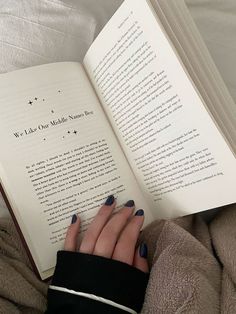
column 177, row 153
column 59, row 155
column 184, row 34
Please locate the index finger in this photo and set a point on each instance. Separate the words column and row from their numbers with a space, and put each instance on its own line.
column 92, row 233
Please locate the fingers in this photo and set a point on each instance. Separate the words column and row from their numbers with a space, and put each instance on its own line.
column 140, row 258
column 111, row 236
column 96, row 226
column 125, row 247
column 72, row 234
column 108, row 237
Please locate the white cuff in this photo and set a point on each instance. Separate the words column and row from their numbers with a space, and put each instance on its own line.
column 94, row 297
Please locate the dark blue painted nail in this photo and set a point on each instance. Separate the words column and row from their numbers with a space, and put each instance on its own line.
column 139, row 212
column 143, row 250
column 74, row 219
column 110, row 200
column 130, row 203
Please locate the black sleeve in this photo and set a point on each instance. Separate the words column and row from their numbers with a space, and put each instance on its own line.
column 106, row 278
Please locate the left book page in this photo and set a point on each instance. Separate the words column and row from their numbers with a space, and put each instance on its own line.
column 59, row 155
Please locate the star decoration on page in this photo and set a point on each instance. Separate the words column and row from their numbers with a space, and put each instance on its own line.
column 30, row 102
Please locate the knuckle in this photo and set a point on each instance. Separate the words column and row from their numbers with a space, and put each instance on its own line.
column 102, row 247
column 99, row 251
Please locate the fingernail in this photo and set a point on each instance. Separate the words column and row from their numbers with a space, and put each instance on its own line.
column 139, row 212
column 110, row 200
column 74, row 219
column 130, row 203
column 143, row 250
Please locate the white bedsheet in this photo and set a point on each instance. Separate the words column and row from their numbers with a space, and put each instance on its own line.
column 35, row 32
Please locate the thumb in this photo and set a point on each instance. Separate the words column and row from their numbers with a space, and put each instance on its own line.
column 140, row 258
column 72, row 234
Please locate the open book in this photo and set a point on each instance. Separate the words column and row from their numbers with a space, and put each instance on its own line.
column 145, row 117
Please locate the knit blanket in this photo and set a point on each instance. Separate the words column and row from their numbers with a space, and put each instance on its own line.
column 193, row 268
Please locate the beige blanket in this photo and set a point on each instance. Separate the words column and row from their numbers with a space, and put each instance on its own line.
column 193, row 268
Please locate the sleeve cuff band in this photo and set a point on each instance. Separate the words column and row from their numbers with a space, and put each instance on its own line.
column 95, row 298
column 106, row 278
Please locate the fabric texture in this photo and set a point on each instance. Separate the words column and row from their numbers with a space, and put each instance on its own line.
column 63, row 303
column 193, row 268
column 20, row 289
column 44, row 31
column 193, row 265
column 109, row 279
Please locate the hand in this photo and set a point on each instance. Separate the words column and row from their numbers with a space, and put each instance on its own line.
column 110, row 236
